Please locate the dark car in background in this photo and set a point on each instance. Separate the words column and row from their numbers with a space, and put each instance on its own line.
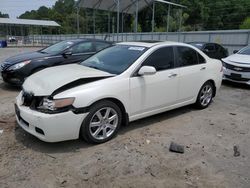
column 213, row 50
column 15, row 69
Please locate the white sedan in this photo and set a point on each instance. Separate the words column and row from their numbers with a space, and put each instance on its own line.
column 120, row 84
column 237, row 66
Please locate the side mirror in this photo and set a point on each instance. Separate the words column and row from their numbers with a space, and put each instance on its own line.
column 67, row 54
column 146, row 70
column 235, row 51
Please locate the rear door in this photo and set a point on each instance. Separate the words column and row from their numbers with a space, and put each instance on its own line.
column 152, row 92
column 192, row 67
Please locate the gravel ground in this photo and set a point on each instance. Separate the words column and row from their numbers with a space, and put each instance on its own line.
column 139, row 156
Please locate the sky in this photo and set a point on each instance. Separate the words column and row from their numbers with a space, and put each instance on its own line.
column 17, row 7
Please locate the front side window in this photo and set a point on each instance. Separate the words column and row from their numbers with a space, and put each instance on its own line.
column 83, row 47
column 115, row 59
column 58, row 47
column 186, row 56
column 161, row 59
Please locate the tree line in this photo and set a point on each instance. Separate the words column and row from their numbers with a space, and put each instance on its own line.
column 199, row 15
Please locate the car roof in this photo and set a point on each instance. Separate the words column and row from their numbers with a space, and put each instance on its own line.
column 87, row 40
column 150, row 44
column 203, row 43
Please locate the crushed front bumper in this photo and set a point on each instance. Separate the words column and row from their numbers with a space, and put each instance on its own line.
column 49, row 127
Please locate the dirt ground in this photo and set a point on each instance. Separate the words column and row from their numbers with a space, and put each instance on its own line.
column 139, row 156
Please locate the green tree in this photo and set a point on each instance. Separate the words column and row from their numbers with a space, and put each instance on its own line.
column 245, row 24
column 199, row 15
column 2, row 15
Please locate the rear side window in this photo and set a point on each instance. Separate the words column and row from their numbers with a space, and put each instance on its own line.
column 217, row 47
column 83, row 47
column 209, row 47
column 101, row 45
column 187, row 56
column 201, row 59
column 161, row 59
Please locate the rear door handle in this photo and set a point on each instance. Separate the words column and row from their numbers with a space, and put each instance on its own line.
column 172, row 75
column 203, row 68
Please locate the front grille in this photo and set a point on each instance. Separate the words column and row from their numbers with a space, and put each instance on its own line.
column 30, row 100
column 237, row 78
column 237, row 68
column 27, row 98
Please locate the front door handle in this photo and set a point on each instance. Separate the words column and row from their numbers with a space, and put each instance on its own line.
column 203, row 68
column 172, row 75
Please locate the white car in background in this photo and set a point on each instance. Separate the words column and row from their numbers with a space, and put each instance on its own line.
column 237, row 66
column 120, row 84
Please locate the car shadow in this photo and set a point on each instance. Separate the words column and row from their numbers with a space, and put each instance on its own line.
column 31, row 142
column 8, row 87
column 156, row 118
column 235, row 85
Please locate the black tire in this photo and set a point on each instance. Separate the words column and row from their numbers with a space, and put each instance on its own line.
column 85, row 131
column 199, row 101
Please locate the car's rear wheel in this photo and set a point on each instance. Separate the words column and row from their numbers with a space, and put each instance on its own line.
column 102, row 122
column 205, row 95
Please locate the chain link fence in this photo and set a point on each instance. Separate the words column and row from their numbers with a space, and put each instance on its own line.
column 231, row 39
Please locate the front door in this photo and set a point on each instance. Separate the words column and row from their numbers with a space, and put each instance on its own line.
column 153, row 92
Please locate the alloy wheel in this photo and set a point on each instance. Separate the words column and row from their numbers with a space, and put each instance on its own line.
column 206, row 95
column 103, row 123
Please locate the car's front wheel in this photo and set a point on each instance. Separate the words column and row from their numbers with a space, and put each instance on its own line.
column 102, row 122
column 205, row 95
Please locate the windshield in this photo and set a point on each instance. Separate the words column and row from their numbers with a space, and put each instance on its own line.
column 245, row 51
column 116, row 59
column 58, row 47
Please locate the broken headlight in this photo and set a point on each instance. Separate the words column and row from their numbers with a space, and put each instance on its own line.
column 55, row 104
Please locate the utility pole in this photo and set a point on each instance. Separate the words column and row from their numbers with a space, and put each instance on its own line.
column 153, row 17
column 180, row 20
column 77, row 20
column 168, row 17
column 136, row 16
column 118, row 18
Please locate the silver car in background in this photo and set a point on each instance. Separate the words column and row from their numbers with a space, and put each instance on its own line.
column 236, row 68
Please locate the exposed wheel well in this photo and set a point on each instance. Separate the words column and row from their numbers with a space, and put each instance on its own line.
column 120, row 105
column 214, row 87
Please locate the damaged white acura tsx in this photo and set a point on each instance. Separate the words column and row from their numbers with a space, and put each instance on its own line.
column 120, row 84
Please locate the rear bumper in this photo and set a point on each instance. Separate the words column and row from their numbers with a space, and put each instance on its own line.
column 236, row 76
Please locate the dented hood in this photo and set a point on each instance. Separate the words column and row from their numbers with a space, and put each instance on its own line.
column 45, row 82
